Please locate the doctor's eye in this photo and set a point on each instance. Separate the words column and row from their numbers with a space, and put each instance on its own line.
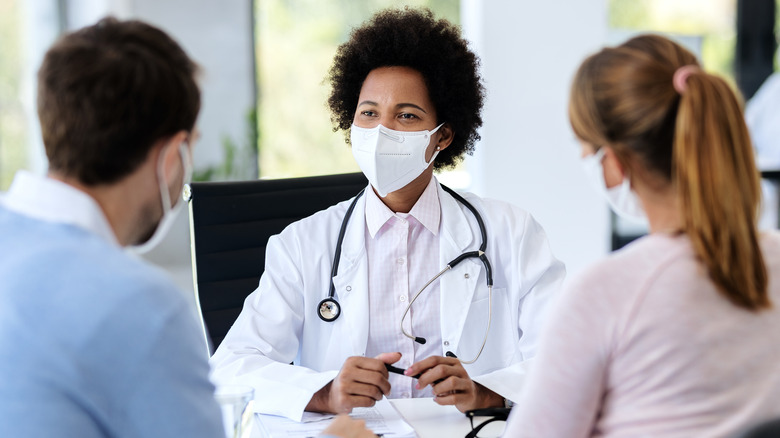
column 408, row 116
column 368, row 113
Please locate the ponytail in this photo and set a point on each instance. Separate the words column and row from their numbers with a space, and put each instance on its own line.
column 718, row 187
column 684, row 128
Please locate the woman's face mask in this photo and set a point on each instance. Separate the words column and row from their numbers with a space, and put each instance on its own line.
column 621, row 198
column 390, row 159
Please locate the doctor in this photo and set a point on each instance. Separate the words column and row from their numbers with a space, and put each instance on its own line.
column 406, row 87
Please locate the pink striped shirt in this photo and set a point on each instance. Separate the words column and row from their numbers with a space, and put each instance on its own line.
column 394, row 242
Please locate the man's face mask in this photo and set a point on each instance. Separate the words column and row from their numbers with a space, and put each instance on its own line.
column 170, row 212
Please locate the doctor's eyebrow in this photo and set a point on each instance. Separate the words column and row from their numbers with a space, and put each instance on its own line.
column 399, row 106
column 402, row 105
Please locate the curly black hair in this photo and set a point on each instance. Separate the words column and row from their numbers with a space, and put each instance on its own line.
column 413, row 38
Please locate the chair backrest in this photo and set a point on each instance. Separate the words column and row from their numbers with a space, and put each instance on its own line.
column 230, row 223
column 763, row 429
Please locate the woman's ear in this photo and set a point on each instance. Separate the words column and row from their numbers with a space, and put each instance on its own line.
column 614, row 172
column 445, row 136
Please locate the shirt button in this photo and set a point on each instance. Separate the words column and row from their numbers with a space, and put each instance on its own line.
column 401, row 261
column 349, row 288
column 466, row 275
column 402, row 298
column 405, row 395
column 446, row 343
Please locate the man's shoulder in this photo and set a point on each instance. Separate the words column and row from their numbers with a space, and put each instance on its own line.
column 45, row 254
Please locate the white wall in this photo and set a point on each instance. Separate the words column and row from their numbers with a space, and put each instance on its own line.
column 40, row 29
column 528, row 154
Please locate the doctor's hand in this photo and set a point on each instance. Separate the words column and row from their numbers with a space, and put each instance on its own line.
column 452, row 385
column 360, row 383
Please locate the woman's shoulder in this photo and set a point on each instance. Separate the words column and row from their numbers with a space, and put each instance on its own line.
column 633, row 266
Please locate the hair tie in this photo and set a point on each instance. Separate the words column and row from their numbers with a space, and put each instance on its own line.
column 681, row 77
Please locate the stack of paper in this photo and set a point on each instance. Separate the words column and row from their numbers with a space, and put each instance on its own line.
column 383, row 419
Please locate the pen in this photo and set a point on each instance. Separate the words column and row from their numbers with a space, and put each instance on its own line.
column 400, row 371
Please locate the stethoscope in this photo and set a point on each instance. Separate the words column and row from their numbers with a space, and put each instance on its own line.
column 329, row 309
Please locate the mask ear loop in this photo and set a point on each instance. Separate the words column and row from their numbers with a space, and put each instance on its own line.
column 438, row 149
column 186, row 162
column 187, row 169
column 165, row 196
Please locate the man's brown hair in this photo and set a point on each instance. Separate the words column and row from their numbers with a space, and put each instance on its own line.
column 107, row 93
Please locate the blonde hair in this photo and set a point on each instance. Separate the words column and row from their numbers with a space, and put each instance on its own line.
column 696, row 140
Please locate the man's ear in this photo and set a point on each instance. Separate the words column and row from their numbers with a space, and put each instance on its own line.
column 171, row 159
column 614, row 171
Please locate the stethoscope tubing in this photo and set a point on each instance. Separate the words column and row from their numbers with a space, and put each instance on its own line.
column 331, row 303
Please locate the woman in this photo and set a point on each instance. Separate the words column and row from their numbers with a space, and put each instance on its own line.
column 677, row 334
column 406, row 88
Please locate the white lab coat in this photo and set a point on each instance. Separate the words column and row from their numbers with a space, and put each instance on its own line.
column 279, row 323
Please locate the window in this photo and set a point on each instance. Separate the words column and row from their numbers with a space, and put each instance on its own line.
column 711, row 21
column 295, row 44
column 13, row 128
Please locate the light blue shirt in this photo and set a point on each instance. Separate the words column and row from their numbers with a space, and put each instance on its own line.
column 93, row 342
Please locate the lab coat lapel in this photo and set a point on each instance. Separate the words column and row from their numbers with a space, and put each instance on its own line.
column 351, row 283
column 458, row 285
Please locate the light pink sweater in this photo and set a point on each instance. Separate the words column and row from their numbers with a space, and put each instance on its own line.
column 643, row 345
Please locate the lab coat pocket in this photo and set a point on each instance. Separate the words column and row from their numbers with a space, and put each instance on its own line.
column 501, row 338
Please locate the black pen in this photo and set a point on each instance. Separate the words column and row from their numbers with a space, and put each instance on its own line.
column 400, row 371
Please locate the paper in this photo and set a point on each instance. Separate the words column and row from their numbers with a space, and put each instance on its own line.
column 382, row 419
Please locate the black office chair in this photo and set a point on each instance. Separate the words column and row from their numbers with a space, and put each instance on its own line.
column 230, row 223
column 764, row 429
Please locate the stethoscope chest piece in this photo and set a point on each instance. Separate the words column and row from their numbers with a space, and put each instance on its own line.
column 328, row 310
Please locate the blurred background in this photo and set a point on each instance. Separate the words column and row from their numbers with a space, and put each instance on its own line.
column 264, row 113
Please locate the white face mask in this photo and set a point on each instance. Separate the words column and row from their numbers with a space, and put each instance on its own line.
column 621, row 198
column 390, row 159
column 169, row 212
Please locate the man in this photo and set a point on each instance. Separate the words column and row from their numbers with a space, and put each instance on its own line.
column 94, row 342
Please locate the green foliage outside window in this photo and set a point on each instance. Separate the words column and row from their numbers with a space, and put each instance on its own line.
column 713, row 20
column 13, row 135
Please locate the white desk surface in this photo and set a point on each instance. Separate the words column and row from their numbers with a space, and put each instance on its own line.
column 428, row 419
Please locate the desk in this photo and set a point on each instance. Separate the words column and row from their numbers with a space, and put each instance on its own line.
column 428, row 419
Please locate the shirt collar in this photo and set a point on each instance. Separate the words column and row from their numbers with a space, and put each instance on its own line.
column 427, row 210
column 50, row 200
